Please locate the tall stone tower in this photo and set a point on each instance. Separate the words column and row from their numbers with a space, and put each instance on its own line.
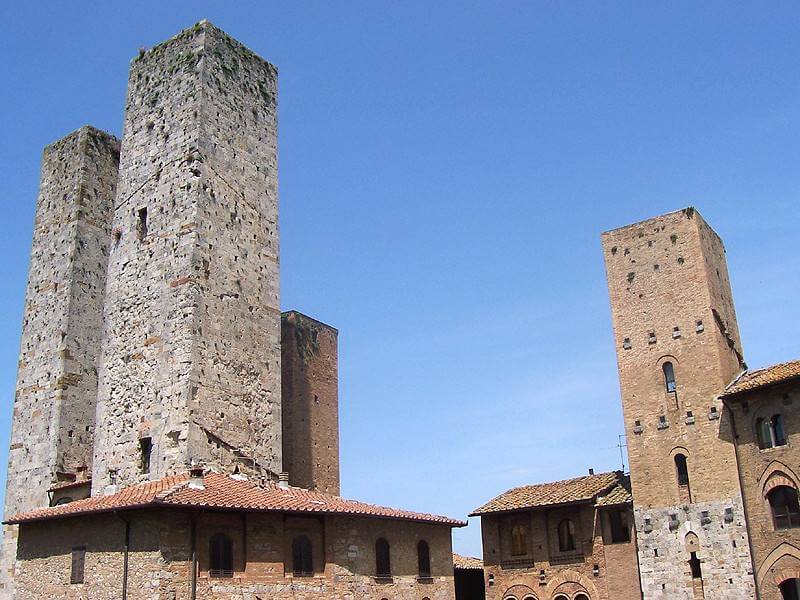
column 191, row 366
column 54, row 406
column 678, row 346
column 310, row 396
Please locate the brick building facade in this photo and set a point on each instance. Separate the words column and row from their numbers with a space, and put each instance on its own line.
column 153, row 344
column 570, row 539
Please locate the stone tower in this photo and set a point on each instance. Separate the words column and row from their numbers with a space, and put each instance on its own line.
column 310, row 395
column 191, row 367
column 54, row 406
column 678, row 347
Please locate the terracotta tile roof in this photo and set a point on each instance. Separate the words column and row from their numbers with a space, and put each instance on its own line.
column 753, row 380
column 580, row 489
column 64, row 485
column 619, row 494
column 467, row 562
column 227, row 492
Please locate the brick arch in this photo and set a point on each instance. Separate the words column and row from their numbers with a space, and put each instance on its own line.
column 569, row 576
column 786, row 553
column 667, row 358
column 518, row 592
column 777, row 474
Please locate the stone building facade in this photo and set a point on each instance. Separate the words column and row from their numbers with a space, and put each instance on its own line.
column 566, row 540
column 154, row 343
column 765, row 412
column 678, row 348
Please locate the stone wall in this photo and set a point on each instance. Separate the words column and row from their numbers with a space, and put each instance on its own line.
column 54, row 405
column 671, row 303
column 544, row 571
column 310, row 402
column 192, row 320
column 160, row 564
column 776, row 553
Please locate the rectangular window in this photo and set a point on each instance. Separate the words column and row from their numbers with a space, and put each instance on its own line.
column 141, row 225
column 620, row 532
column 78, row 563
column 146, row 449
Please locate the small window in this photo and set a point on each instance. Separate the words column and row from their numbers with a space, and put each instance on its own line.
column 424, row 559
column 682, row 469
column 694, row 566
column 785, row 508
column 519, row 540
column 141, row 223
column 566, row 536
column 145, row 450
column 669, row 376
column 220, row 556
column 770, row 432
column 620, row 532
column 383, row 562
column 78, row 564
column 302, row 557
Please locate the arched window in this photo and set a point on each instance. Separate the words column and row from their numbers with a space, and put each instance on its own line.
column 519, row 540
column 581, row 597
column 681, row 469
column 790, row 589
column 770, row 432
column 785, row 508
column 424, row 559
column 302, row 557
column 566, row 536
column 669, row 376
column 220, row 556
column 383, row 563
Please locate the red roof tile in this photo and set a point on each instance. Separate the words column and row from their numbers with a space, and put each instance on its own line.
column 568, row 491
column 227, row 492
column 760, row 378
column 467, row 562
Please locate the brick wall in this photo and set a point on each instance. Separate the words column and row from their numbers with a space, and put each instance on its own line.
column 160, row 563
column 310, row 402
column 563, row 572
column 776, row 553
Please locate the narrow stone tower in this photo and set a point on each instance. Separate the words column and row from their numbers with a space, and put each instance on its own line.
column 191, row 366
column 678, row 346
column 310, row 395
column 54, row 406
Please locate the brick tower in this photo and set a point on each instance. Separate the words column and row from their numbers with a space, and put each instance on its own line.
column 54, row 405
column 191, row 368
column 310, row 396
column 678, row 347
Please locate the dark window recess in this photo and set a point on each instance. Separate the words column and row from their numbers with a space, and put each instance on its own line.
column 78, row 564
column 669, row 376
column 424, row 559
column 302, row 557
column 566, row 536
column 785, row 507
column 681, row 469
column 694, row 565
column 145, row 450
column 790, row 589
column 620, row 532
column 770, row 432
column 383, row 562
column 141, row 223
column 519, row 540
column 220, row 556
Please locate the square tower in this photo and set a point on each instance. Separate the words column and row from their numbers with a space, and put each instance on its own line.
column 678, row 346
column 52, row 430
column 191, row 348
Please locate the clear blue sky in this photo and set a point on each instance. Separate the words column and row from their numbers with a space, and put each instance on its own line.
column 446, row 170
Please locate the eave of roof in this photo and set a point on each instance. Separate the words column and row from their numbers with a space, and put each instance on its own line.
column 759, row 379
column 225, row 493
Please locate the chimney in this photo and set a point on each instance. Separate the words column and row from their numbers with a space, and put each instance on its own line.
column 591, row 471
column 196, row 478
column 283, row 480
